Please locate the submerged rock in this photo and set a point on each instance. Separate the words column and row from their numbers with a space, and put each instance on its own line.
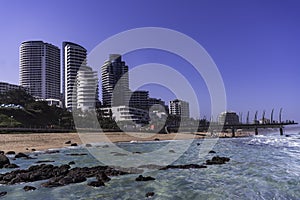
column 21, row 155
column 96, row 184
column 142, row 178
column 29, row 188
column 216, row 160
column 149, row 194
column 74, row 145
column 211, row 151
column 3, row 194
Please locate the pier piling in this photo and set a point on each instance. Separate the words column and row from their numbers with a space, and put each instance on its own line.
column 281, row 130
column 233, row 132
column 256, row 131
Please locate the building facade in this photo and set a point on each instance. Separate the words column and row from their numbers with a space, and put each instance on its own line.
column 87, row 88
column 228, row 118
column 40, row 69
column 179, row 108
column 5, row 87
column 115, row 82
column 74, row 56
column 139, row 99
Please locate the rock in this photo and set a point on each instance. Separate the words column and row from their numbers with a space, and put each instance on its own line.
column 171, row 151
column 33, row 149
column 76, row 154
column 44, row 161
column 74, row 145
column 3, row 194
column 156, row 139
column 137, row 152
column 216, row 160
column 11, row 166
column 188, row 166
column 88, row 145
column 51, row 151
column 105, row 146
column 96, row 184
column 1, row 152
column 21, row 155
column 198, row 144
column 211, row 151
column 149, row 194
column 10, row 153
column 102, row 177
column 142, row 178
column 29, row 188
column 72, row 163
column 68, row 142
column 3, row 160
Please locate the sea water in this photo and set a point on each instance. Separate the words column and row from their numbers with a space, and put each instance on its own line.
column 266, row 166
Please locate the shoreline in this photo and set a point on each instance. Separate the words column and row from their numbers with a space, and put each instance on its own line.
column 27, row 142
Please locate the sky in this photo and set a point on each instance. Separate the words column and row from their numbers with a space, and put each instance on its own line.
column 254, row 44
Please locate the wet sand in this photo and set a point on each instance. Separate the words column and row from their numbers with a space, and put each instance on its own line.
column 25, row 142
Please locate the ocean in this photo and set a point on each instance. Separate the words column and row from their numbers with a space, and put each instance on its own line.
column 266, row 166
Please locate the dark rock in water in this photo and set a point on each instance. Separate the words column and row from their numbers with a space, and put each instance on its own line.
column 171, row 151
column 211, row 151
column 3, row 160
column 142, row 178
column 74, row 145
column 216, row 160
column 156, row 139
column 3, row 194
column 51, row 151
column 21, row 155
column 1, row 152
column 10, row 153
column 11, row 166
column 105, row 146
column 287, row 136
column 33, row 149
column 188, row 166
column 44, row 161
column 88, row 145
column 68, row 142
column 137, row 152
column 102, row 177
column 149, row 194
column 72, row 163
column 29, row 188
column 96, row 184
column 198, row 144
column 76, row 154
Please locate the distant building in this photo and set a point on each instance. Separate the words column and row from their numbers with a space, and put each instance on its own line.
column 126, row 114
column 139, row 99
column 179, row 108
column 40, row 69
column 228, row 118
column 87, row 88
column 74, row 56
column 114, row 73
column 5, row 87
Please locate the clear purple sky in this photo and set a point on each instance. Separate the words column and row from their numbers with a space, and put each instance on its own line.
column 255, row 44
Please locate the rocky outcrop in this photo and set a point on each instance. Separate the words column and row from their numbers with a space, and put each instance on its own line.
column 10, row 153
column 3, row 160
column 96, row 184
column 21, row 155
column 216, row 160
column 28, row 188
column 3, row 194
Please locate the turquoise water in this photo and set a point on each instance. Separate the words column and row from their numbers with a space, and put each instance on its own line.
column 261, row 167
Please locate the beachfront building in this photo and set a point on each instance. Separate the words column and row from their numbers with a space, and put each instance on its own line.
column 228, row 118
column 157, row 105
column 74, row 56
column 139, row 99
column 179, row 108
column 115, row 82
column 40, row 69
column 5, row 87
column 87, row 88
column 126, row 114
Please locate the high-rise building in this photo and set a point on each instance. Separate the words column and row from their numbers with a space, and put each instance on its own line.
column 115, row 83
column 40, row 69
column 87, row 88
column 179, row 108
column 139, row 99
column 228, row 118
column 74, row 56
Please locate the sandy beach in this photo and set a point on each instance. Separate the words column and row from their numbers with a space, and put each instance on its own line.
column 25, row 142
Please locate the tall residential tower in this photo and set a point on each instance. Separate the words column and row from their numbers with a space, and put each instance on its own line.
column 40, row 69
column 74, row 56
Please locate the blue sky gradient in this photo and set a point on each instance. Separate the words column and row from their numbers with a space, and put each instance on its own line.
column 255, row 44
